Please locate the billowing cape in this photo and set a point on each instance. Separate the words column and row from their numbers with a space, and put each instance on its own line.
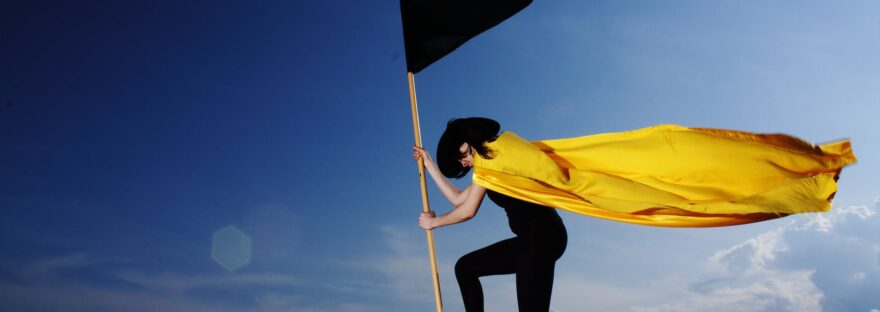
column 668, row 175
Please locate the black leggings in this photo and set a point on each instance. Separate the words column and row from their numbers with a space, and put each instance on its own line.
column 531, row 258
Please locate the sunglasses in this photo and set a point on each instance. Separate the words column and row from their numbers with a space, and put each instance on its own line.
column 466, row 153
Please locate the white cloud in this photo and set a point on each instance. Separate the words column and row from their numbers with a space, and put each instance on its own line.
column 775, row 272
column 751, row 256
column 181, row 283
column 858, row 277
column 405, row 266
column 776, row 291
column 825, row 222
column 274, row 301
column 75, row 260
column 399, row 274
column 25, row 298
column 41, row 287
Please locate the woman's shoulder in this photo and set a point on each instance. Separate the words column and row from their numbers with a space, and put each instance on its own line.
column 503, row 136
column 507, row 140
column 514, row 155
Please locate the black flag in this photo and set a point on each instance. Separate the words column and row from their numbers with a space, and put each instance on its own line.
column 434, row 28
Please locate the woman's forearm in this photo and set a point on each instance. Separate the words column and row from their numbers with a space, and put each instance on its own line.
column 464, row 211
column 454, row 216
column 452, row 194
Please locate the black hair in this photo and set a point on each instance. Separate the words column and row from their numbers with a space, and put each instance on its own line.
column 474, row 131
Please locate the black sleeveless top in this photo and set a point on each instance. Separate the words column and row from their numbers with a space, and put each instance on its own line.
column 526, row 218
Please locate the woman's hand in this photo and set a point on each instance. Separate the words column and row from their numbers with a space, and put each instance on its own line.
column 419, row 152
column 426, row 220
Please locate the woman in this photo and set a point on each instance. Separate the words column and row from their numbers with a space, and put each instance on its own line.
column 664, row 175
column 540, row 235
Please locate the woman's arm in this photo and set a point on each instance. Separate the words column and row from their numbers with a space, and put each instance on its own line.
column 463, row 212
column 452, row 194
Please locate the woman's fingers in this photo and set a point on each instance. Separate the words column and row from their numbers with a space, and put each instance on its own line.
column 419, row 153
column 425, row 219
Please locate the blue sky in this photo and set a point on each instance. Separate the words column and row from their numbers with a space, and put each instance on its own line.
column 131, row 132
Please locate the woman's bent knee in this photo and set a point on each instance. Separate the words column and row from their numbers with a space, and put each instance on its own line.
column 463, row 267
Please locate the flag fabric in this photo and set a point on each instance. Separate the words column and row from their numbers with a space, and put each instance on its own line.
column 434, row 28
column 668, row 175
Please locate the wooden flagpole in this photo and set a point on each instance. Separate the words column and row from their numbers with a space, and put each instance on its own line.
column 425, row 206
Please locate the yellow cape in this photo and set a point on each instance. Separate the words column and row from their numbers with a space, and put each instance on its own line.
column 668, row 175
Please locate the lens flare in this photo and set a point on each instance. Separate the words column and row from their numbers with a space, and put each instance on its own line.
column 231, row 248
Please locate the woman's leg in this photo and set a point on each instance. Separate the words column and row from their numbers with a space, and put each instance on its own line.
column 498, row 258
column 535, row 263
column 534, row 283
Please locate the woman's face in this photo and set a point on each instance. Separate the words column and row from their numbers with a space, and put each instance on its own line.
column 466, row 156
